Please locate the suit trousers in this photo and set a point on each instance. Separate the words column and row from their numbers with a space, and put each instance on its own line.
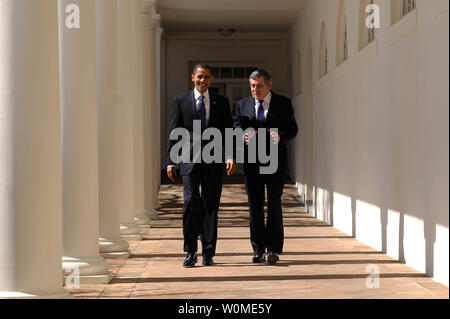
column 263, row 235
column 201, row 208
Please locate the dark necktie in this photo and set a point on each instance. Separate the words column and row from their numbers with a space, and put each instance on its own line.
column 261, row 118
column 202, row 111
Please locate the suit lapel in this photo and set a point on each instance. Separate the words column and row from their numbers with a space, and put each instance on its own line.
column 251, row 109
column 212, row 108
column 271, row 108
column 193, row 105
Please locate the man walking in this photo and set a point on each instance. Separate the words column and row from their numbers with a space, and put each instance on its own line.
column 266, row 110
column 200, row 210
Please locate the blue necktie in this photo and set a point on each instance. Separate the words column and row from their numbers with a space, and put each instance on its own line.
column 202, row 111
column 261, row 118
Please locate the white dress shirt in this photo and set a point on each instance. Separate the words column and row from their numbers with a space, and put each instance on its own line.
column 206, row 101
column 266, row 105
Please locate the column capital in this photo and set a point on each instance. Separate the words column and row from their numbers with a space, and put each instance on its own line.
column 151, row 16
column 147, row 5
column 155, row 19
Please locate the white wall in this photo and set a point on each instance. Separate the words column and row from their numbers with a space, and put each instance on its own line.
column 380, row 130
column 270, row 49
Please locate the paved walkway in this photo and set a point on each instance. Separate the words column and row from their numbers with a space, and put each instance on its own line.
column 318, row 261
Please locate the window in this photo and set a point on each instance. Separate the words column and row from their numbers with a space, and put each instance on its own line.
column 230, row 71
column 341, row 36
column 400, row 8
column 226, row 72
column 323, row 53
column 215, row 71
column 239, row 72
column 366, row 35
column 408, row 6
column 249, row 71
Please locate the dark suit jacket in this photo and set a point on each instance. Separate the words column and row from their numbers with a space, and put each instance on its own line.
column 185, row 112
column 280, row 116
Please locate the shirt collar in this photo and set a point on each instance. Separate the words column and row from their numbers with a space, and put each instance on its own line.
column 197, row 94
column 266, row 99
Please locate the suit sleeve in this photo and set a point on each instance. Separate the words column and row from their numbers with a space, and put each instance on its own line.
column 289, row 129
column 239, row 146
column 237, row 117
column 228, row 123
column 175, row 121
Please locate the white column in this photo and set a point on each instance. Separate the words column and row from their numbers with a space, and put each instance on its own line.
column 79, row 143
column 111, row 244
column 163, row 105
column 156, row 171
column 128, row 228
column 154, row 25
column 30, row 151
column 140, row 216
column 159, row 32
column 149, row 101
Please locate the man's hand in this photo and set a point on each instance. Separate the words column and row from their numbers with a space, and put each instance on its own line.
column 171, row 173
column 231, row 167
column 275, row 136
column 248, row 136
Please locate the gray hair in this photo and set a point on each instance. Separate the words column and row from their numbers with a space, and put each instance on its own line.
column 260, row 72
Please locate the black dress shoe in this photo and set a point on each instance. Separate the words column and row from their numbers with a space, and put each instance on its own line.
column 272, row 258
column 258, row 258
column 190, row 260
column 208, row 261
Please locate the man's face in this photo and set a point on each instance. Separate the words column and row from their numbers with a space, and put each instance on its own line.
column 259, row 88
column 202, row 79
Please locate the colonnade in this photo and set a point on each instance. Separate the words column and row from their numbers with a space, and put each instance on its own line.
column 78, row 139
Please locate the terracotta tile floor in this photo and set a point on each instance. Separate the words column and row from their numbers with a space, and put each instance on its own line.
column 318, row 262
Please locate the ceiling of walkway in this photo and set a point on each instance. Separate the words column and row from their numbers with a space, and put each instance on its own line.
column 242, row 15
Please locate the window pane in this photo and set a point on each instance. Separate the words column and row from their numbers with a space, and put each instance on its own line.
column 249, row 71
column 239, row 72
column 408, row 6
column 371, row 35
column 345, row 44
column 215, row 72
column 226, row 72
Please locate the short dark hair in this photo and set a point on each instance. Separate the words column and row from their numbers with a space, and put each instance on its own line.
column 261, row 72
column 202, row 66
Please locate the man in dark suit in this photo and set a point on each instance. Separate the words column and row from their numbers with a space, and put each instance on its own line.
column 266, row 110
column 200, row 210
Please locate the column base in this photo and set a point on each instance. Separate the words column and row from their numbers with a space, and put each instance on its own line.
column 117, row 255
column 90, row 270
column 114, row 247
column 310, row 206
column 142, row 220
column 130, row 231
column 152, row 214
column 132, row 237
column 91, row 280
column 144, row 228
column 55, row 294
